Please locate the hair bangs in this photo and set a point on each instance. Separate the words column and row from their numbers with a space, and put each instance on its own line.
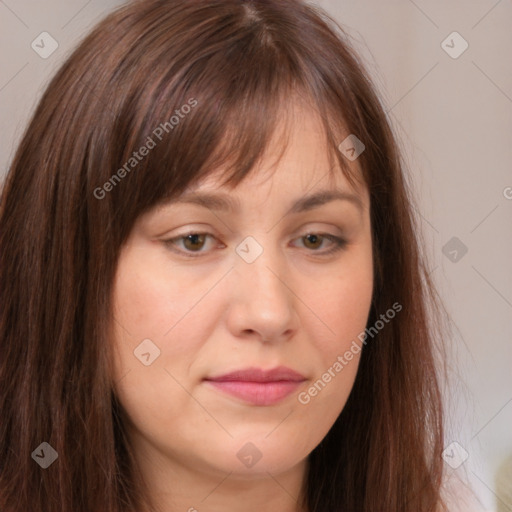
column 216, row 114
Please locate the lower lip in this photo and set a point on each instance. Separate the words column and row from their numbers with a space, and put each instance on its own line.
column 257, row 393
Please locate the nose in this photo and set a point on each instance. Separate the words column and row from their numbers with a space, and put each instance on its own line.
column 262, row 304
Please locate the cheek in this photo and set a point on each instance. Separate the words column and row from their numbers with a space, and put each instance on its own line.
column 144, row 310
column 343, row 304
column 148, row 313
column 143, row 302
column 344, row 307
column 154, row 301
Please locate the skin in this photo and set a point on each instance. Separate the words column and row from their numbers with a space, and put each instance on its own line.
column 215, row 313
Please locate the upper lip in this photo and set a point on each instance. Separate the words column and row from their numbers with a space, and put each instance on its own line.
column 252, row 374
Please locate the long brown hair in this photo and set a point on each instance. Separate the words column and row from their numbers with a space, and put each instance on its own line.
column 199, row 85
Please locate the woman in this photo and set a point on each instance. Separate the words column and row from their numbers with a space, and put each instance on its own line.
column 216, row 300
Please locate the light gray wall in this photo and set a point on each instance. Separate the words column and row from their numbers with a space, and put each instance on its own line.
column 454, row 118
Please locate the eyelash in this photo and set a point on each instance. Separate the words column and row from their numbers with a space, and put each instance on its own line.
column 339, row 243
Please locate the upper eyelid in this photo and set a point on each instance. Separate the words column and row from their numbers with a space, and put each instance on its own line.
column 204, row 230
column 324, row 233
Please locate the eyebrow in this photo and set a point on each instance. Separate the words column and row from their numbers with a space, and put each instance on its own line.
column 223, row 202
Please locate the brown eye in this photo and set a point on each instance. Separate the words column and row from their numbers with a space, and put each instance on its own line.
column 190, row 244
column 194, row 241
column 315, row 240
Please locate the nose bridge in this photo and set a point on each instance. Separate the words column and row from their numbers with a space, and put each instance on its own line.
column 261, row 266
column 263, row 296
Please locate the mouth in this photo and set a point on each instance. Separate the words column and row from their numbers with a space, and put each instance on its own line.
column 256, row 386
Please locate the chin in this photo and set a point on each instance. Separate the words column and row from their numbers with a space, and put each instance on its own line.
column 256, row 456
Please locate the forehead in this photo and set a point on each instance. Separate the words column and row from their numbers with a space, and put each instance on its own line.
column 298, row 168
column 260, row 191
column 297, row 158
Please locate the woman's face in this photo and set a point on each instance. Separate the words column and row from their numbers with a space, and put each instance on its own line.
column 200, row 321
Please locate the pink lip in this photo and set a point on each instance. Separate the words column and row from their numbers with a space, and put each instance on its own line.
column 259, row 387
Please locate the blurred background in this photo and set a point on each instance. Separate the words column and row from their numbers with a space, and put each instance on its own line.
column 444, row 72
